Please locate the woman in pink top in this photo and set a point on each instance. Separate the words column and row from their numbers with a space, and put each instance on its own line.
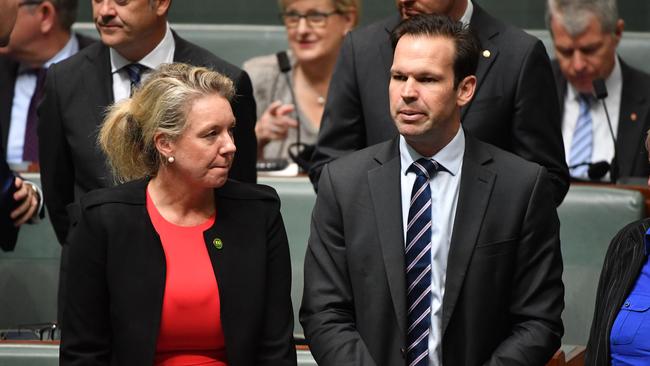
column 180, row 266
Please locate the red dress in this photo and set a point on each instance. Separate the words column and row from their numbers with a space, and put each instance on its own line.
column 190, row 328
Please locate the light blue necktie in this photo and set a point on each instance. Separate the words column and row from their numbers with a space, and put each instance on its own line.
column 582, row 143
column 418, row 264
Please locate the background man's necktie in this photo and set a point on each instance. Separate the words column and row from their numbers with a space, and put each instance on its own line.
column 30, row 146
column 582, row 142
column 135, row 75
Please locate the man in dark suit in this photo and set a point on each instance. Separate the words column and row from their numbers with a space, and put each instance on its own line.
column 41, row 37
column 585, row 34
column 515, row 107
column 20, row 203
column 135, row 39
column 473, row 277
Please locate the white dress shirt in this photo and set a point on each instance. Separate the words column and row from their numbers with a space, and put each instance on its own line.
column 444, row 199
column 603, row 146
column 23, row 92
column 162, row 54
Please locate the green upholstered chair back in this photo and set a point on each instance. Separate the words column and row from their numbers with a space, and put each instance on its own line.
column 589, row 218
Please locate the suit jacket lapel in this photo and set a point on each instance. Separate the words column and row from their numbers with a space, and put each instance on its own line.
column 8, row 74
column 486, row 29
column 99, row 82
column 475, row 189
column 634, row 109
column 384, row 183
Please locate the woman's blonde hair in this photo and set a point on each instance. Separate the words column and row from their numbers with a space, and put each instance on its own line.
column 161, row 104
column 341, row 6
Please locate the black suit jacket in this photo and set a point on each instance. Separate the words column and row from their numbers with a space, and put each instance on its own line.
column 503, row 293
column 8, row 75
column 77, row 93
column 514, row 107
column 9, row 231
column 115, row 278
column 632, row 156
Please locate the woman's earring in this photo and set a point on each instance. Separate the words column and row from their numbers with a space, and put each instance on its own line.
column 171, row 160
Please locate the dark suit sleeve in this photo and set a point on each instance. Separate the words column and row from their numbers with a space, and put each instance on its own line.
column 536, row 120
column 57, row 174
column 342, row 127
column 327, row 312
column 243, row 105
column 537, row 296
column 86, row 330
column 276, row 344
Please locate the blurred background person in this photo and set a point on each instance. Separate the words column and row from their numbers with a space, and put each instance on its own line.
column 180, row 266
column 41, row 37
column 620, row 330
column 19, row 200
column 586, row 34
column 315, row 31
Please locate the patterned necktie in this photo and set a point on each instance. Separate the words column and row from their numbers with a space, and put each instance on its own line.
column 418, row 263
column 582, row 143
column 30, row 146
column 135, row 75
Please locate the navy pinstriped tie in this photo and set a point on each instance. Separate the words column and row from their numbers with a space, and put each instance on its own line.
column 418, row 264
column 135, row 75
column 582, row 143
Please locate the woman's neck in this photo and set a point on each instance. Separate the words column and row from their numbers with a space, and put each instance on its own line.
column 178, row 203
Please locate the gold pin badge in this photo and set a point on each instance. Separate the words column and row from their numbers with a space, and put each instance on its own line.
column 633, row 116
column 217, row 243
column 486, row 53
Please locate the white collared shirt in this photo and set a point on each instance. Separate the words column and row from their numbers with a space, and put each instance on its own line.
column 467, row 16
column 603, row 146
column 23, row 92
column 162, row 54
column 444, row 199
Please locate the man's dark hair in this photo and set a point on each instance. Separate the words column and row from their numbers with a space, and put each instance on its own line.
column 467, row 44
column 67, row 12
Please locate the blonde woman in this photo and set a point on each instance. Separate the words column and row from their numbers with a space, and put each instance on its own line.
column 180, row 266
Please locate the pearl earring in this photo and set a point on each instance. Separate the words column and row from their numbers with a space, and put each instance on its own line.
column 171, row 160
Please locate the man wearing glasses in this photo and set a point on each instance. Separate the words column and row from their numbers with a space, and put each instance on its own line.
column 515, row 106
column 135, row 38
column 41, row 37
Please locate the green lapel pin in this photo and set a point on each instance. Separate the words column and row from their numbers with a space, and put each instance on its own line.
column 217, row 243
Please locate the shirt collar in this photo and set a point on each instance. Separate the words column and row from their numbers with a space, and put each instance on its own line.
column 162, row 54
column 450, row 156
column 613, row 82
column 467, row 16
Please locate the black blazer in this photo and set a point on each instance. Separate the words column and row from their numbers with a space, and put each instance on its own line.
column 633, row 119
column 115, row 277
column 623, row 262
column 8, row 75
column 77, row 92
column 503, row 293
column 9, row 231
column 514, row 108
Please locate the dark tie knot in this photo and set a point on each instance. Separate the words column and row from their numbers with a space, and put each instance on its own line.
column 135, row 72
column 586, row 99
column 425, row 167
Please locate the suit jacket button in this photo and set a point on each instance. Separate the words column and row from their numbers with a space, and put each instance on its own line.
column 403, row 351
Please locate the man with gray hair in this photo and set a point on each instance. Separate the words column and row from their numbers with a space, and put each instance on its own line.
column 41, row 37
column 586, row 34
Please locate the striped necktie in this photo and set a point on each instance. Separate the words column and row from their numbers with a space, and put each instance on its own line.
column 135, row 75
column 418, row 263
column 30, row 144
column 582, row 142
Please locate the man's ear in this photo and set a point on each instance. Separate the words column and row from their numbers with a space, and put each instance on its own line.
column 465, row 90
column 48, row 16
column 162, row 6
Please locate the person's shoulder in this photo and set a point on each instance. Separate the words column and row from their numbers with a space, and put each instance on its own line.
column 244, row 191
column 375, row 30
column 515, row 38
column 635, row 76
column 262, row 69
column 357, row 164
column 72, row 63
column 635, row 231
column 196, row 55
column 130, row 193
column 516, row 169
